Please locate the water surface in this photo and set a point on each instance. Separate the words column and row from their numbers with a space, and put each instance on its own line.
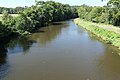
column 59, row 52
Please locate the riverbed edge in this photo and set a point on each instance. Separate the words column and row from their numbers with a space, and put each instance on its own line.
column 109, row 37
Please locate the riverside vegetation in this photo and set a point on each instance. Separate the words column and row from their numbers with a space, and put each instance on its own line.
column 110, row 14
column 28, row 19
column 36, row 16
column 109, row 37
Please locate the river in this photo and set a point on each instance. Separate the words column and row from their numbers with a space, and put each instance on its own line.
column 61, row 51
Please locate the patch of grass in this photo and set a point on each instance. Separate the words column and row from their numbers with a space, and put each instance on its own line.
column 14, row 15
column 109, row 37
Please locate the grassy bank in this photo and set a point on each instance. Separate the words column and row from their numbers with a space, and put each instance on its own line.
column 110, row 37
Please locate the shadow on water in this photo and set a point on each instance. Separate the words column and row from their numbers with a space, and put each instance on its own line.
column 39, row 30
column 61, row 52
column 48, row 33
column 19, row 45
column 4, row 66
column 10, row 46
column 57, row 23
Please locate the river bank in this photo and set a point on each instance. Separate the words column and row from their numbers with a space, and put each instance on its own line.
column 108, row 34
column 59, row 52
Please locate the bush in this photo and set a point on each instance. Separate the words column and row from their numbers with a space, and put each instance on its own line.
column 23, row 24
column 116, row 19
column 3, row 30
column 7, row 20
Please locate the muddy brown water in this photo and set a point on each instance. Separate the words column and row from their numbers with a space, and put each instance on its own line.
column 59, row 52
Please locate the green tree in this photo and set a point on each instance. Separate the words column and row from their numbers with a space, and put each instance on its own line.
column 24, row 23
column 114, row 8
column 84, row 11
column 7, row 20
column 8, row 24
column 116, row 19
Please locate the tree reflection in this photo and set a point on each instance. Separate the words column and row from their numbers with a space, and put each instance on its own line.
column 19, row 44
column 9, row 46
column 4, row 67
column 3, row 54
column 48, row 34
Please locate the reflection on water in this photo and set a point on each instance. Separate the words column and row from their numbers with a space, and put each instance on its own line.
column 4, row 67
column 48, row 34
column 61, row 51
column 19, row 45
column 11, row 46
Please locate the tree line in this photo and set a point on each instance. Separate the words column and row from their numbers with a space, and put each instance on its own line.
column 36, row 16
column 16, row 10
column 107, row 14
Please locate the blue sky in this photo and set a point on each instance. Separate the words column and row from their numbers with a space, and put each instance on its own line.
column 15, row 3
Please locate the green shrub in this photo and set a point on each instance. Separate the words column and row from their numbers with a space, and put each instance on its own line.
column 23, row 24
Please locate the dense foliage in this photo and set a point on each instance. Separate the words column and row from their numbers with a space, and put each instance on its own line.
column 107, row 14
column 5, row 25
column 36, row 16
column 44, row 13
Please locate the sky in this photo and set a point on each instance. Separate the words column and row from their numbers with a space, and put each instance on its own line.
column 22, row 3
